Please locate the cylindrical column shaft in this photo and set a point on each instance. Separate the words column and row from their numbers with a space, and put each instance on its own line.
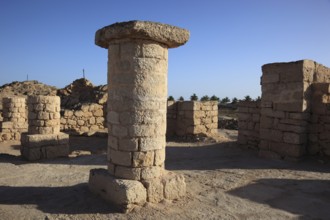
column 44, row 114
column 137, row 75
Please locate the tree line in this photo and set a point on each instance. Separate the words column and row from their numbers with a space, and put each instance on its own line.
column 224, row 100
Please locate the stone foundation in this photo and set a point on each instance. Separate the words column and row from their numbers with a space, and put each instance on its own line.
column 137, row 94
column 44, row 139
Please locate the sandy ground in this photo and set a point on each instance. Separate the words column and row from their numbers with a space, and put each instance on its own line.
column 223, row 182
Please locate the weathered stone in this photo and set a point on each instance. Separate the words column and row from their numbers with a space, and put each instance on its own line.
column 165, row 34
column 122, row 193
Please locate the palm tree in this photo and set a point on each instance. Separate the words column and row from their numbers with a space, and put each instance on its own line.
column 194, row 97
column 225, row 100
column 205, row 98
column 214, row 98
column 234, row 100
column 170, row 98
column 247, row 98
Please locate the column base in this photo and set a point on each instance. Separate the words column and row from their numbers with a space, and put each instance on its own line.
column 127, row 194
column 44, row 146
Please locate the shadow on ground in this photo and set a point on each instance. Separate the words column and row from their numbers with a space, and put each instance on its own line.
column 308, row 198
column 75, row 199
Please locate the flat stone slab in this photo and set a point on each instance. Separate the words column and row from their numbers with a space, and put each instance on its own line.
column 166, row 34
column 124, row 194
column 44, row 146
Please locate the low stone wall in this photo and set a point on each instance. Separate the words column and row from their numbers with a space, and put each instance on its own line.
column 319, row 128
column 14, row 118
column 249, row 123
column 192, row 118
column 294, row 112
column 87, row 119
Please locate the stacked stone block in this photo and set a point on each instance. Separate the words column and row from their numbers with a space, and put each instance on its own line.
column 249, row 123
column 44, row 139
column 197, row 118
column 87, row 119
column 14, row 118
column 136, row 116
column 294, row 110
column 186, row 118
column 171, row 118
column 285, row 109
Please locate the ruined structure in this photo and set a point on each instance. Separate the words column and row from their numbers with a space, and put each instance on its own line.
column 14, row 118
column 89, row 118
column 293, row 113
column 44, row 139
column 137, row 101
column 192, row 118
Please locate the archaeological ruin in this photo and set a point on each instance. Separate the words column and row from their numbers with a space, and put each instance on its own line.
column 137, row 103
column 44, row 139
column 292, row 119
column 186, row 118
column 14, row 121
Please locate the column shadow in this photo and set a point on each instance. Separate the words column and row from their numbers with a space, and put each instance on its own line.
column 76, row 199
column 308, row 198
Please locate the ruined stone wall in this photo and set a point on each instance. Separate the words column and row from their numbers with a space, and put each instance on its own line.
column 171, row 117
column 249, row 123
column 44, row 139
column 294, row 111
column 87, row 119
column 192, row 118
column 14, row 118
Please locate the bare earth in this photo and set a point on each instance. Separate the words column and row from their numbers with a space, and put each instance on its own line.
column 223, row 182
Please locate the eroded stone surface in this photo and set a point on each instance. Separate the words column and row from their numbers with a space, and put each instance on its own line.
column 169, row 35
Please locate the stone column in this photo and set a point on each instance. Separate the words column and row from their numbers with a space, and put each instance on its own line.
column 44, row 139
column 14, row 118
column 137, row 102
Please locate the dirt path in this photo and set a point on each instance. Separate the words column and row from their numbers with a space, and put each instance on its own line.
column 223, row 182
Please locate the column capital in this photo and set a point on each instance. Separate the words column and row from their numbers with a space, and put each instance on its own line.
column 169, row 35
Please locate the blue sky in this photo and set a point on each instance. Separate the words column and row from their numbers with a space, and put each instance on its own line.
column 53, row 40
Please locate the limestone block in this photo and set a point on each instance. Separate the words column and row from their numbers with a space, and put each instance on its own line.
column 98, row 113
column 174, row 185
column 159, row 157
column 125, row 194
column 112, row 142
column 91, row 120
column 123, row 158
column 155, row 190
column 155, row 143
column 143, row 130
column 270, row 134
column 128, row 172
column 165, row 34
column 151, row 172
column 143, row 159
column 99, row 120
column 113, row 117
column 293, row 138
column 68, row 113
column 266, row 122
column 94, row 128
column 292, row 128
column 285, row 149
column 119, row 131
column 79, row 113
column 7, row 125
column 128, row 144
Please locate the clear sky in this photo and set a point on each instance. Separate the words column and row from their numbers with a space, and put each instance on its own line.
column 53, row 40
